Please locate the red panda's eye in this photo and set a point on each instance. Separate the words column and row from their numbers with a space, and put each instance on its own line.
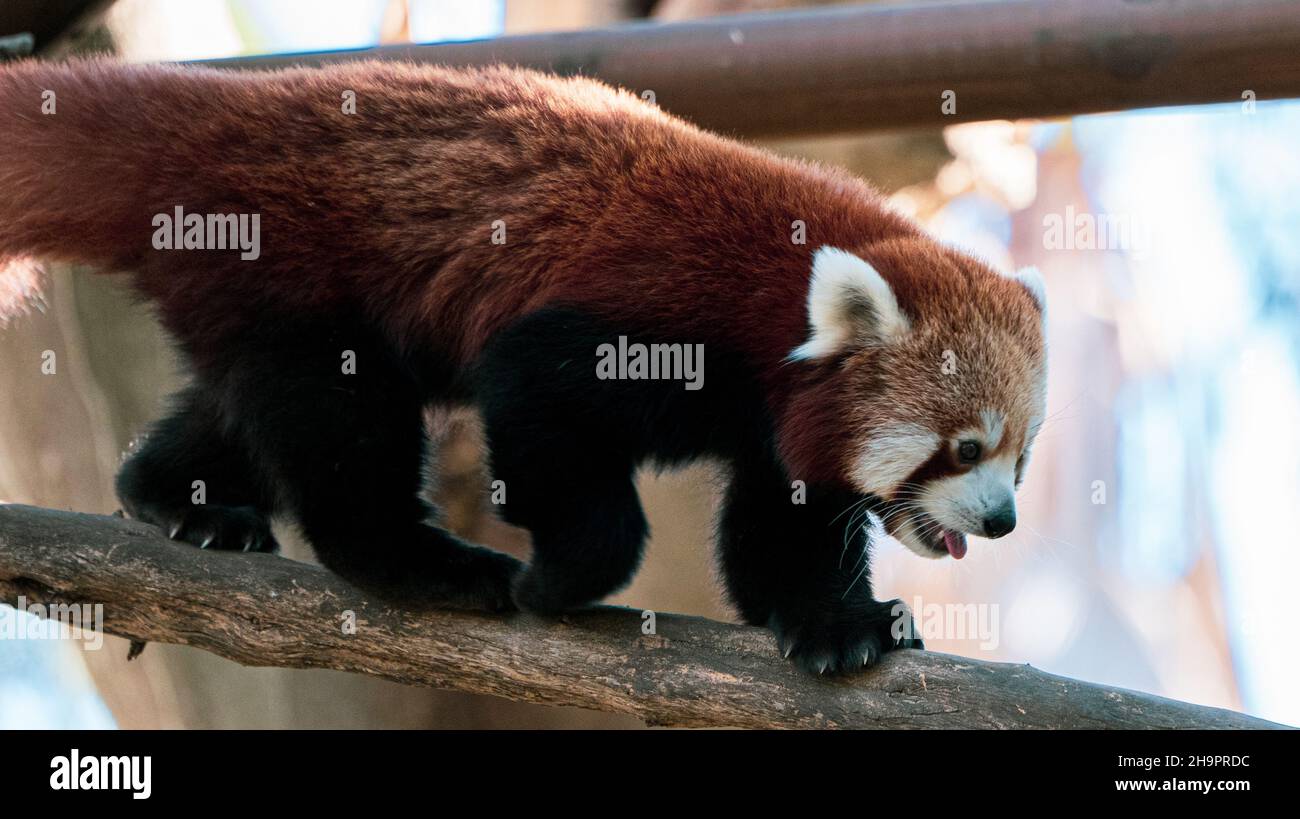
column 968, row 451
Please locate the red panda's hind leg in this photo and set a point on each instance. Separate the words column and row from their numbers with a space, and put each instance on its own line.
column 580, row 556
column 565, row 447
column 578, row 502
column 333, row 418
column 194, row 482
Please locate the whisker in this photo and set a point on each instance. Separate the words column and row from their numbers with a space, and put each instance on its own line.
column 855, row 580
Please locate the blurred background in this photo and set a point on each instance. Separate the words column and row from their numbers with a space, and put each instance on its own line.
column 1153, row 551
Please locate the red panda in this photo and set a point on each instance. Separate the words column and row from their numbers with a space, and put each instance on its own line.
column 441, row 236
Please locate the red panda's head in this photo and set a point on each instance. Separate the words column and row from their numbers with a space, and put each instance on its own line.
column 937, row 374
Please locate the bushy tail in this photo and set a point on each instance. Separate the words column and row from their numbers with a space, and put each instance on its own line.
column 94, row 153
column 70, row 142
column 91, row 152
column 88, row 150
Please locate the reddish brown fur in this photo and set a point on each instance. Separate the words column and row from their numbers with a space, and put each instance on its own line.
column 608, row 203
column 990, row 325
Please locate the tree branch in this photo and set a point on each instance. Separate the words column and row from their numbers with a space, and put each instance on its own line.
column 264, row 610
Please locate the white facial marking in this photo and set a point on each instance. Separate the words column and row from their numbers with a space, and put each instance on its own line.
column 962, row 502
column 992, row 433
column 848, row 301
column 891, row 454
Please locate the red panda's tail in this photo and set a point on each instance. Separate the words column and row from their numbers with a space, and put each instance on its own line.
column 69, row 150
column 93, row 153
column 20, row 275
column 96, row 156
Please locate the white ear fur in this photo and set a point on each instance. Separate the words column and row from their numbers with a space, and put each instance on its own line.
column 848, row 301
column 1033, row 282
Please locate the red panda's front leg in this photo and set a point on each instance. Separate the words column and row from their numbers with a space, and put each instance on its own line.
column 797, row 562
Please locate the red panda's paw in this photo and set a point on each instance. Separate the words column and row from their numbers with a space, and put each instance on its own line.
column 482, row 582
column 225, row 528
column 840, row 642
column 549, row 592
column 421, row 568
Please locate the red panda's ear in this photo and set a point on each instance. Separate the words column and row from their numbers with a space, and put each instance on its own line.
column 1033, row 282
column 849, row 303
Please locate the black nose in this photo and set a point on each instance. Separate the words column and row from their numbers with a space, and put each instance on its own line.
column 1000, row 522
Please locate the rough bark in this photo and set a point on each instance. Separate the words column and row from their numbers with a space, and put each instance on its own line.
column 268, row 611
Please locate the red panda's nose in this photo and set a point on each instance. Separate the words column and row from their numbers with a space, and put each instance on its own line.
column 1000, row 522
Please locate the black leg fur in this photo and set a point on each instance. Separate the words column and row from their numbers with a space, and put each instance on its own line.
column 283, row 426
column 562, row 442
column 156, row 484
column 802, row 569
column 345, row 452
column 342, row 452
column 566, row 444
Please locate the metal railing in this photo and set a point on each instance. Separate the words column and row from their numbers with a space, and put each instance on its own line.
column 858, row 68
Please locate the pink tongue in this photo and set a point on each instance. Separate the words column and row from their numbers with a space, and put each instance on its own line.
column 956, row 543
